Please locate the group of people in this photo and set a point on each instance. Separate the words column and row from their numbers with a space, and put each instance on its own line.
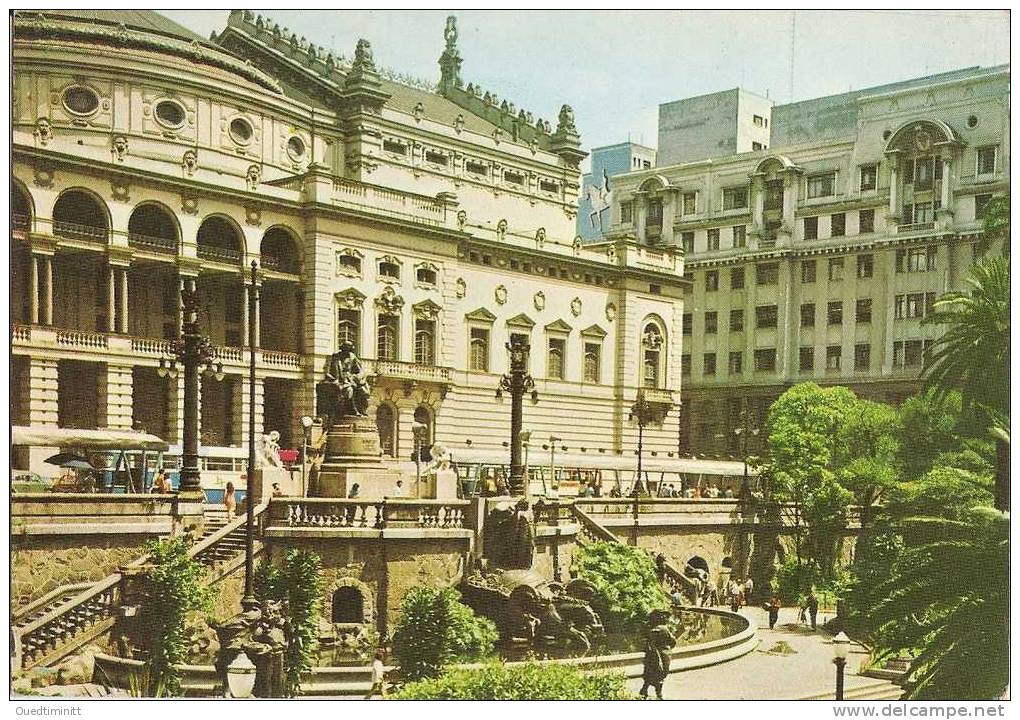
column 808, row 610
column 739, row 593
column 670, row 490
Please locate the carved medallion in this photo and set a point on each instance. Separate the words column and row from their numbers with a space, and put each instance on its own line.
column 539, row 300
column 501, row 294
column 575, row 306
column 610, row 312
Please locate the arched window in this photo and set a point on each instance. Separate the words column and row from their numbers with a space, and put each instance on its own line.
column 591, row 362
column 219, row 240
column 555, row 360
column 423, row 415
column 479, row 359
column 152, row 227
column 21, row 208
column 424, row 342
column 651, row 349
column 79, row 215
column 280, row 251
column 385, row 422
column 348, row 606
column 348, row 328
column 387, row 346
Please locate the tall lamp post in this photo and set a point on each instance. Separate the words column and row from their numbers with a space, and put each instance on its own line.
column 744, row 432
column 418, row 431
column 249, row 500
column 195, row 354
column 642, row 413
column 840, row 647
column 517, row 382
column 552, row 465
column 525, row 442
column 306, row 427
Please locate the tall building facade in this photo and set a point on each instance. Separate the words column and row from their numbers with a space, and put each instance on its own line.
column 427, row 225
column 819, row 260
column 714, row 125
column 596, row 186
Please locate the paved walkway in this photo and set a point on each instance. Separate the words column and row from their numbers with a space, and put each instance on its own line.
column 760, row 675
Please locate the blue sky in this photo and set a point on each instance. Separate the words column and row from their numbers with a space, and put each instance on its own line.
column 615, row 67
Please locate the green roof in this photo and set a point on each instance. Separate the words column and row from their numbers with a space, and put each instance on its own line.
column 144, row 20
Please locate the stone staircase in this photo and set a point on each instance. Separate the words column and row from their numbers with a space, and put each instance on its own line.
column 872, row 689
column 71, row 616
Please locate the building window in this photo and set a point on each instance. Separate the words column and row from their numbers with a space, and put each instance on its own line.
column 986, row 160
column 436, row 158
column 708, row 367
column 838, row 225
column 385, row 422
column 862, row 357
column 916, row 260
column 869, row 177
column 652, row 342
column 808, row 271
column 908, row 354
column 807, row 315
column 548, row 186
column 685, row 365
column 833, row 357
column 766, row 273
column 690, row 203
column 688, row 323
column 914, row 305
column 765, row 360
column 426, row 275
column 734, row 198
column 736, row 363
column 389, row 269
column 627, row 212
column 755, row 145
column 866, row 221
column 687, row 241
column 863, row 311
column 835, row 313
column 711, row 281
column 811, row 228
column 592, row 362
column 822, row 185
column 348, row 328
column 736, row 279
column 766, row 316
column 554, row 364
column 758, row 120
column 347, row 263
column 923, row 173
column 736, row 320
column 476, row 168
column 387, row 338
column 981, row 206
column 739, row 236
column 479, row 356
column 919, row 213
column 424, row 342
column 773, row 195
column 654, row 216
column 835, row 269
column 807, row 359
column 711, row 322
column 713, row 239
column 392, row 146
column 865, row 266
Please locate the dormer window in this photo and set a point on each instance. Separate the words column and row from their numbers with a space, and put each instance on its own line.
column 548, row 186
column 436, row 158
column 426, row 274
column 348, row 262
column 389, row 269
column 514, row 178
column 476, row 168
column 395, row 147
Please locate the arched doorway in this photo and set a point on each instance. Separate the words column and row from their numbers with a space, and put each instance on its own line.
column 423, row 415
column 386, row 423
column 698, row 563
column 348, row 606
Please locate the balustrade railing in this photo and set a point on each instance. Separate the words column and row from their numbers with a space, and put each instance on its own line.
column 218, row 254
column 915, row 227
column 591, row 531
column 150, row 346
column 20, row 221
column 416, row 208
column 21, row 333
column 281, row 358
column 553, row 512
column 166, row 246
column 82, row 339
column 226, row 352
column 367, row 514
column 75, row 231
column 414, row 371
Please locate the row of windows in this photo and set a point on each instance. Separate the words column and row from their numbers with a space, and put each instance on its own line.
column 837, row 224
column 551, row 271
column 767, row 316
column 556, row 348
column 349, row 262
column 906, row 354
column 388, row 336
column 472, row 167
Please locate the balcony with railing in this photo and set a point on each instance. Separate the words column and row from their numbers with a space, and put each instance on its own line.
column 419, row 209
column 915, row 227
column 412, row 371
column 162, row 245
column 20, row 222
column 229, row 256
column 76, row 231
column 384, row 516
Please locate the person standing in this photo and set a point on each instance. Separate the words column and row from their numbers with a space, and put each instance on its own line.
column 658, row 642
column 733, row 590
column 378, row 675
column 812, row 607
column 772, row 607
column 230, row 500
column 748, row 589
column 352, row 510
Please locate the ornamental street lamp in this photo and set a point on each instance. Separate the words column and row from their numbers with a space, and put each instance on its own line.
column 193, row 352
column 744, row 432
column 418, row 431
column 642, row 412
column 306, row 426
column 249, row 500
column 517, row 382
column 840, row 648
column 552, row 466
column 525, row 442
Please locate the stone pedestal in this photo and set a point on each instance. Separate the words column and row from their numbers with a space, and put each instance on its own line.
column 353, row 456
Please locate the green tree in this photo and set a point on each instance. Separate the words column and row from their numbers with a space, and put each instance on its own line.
column 530, row 681
column 436, row 629
column 864, row 457
column 625, row 579
column 972, row 356
column 178, row 589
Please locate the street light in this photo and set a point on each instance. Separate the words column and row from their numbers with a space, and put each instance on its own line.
column 241, row 677
column 517, row 382
column 525, row 441
column 743, row 432
column 249, row 500
column 306, row 424
column 642, row 412
column 418, row 430
column 191, row 353
column 840, row 648
column 552, row 464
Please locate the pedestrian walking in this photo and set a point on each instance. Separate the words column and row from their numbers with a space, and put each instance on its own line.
column 748, row 589
column 658, row 642
column 772, row 608
column 733, row 590
column 230, row 500
column 812, row 608
column 378, row 675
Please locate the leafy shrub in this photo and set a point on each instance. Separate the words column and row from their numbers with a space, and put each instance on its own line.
column 626, row 581
column 299, row 584
column 530, row 681
column 436, row 629
column 178, row 588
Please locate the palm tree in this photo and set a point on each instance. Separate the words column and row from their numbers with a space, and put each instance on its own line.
column 973, row 354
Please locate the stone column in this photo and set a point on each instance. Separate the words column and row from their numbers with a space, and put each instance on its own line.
column 33, row 289
column 115, row 397
column 640, row 214
column 240, row 404
column 244, row 313
column 947, row 193
column 758, row 198
column 48, row 299
column 175, row 410
column 111, row 299
column 42, row 395
column 124, row 301
column 894, row 187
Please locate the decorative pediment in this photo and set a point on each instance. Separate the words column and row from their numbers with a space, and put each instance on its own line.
column 389, row 303
column 480, row 315
column 521, row 321
column 594, row 331
column 558, row 326
column 348, row 262
column 426, row 310
column 351, row 299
